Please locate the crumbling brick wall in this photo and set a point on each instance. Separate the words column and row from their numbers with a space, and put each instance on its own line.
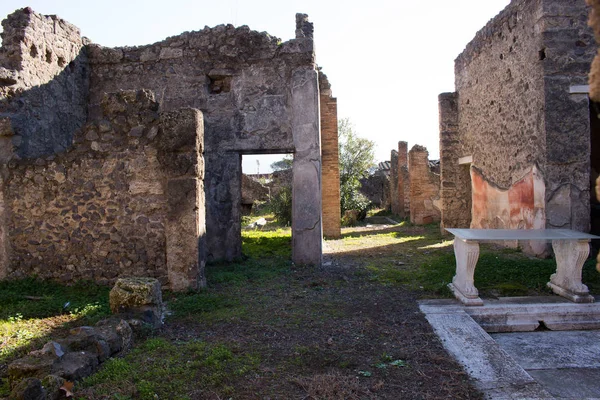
column 455, row 180
column 393, row 183
column 125, row 200
column 43, row 84
column 403, row 185
column 330, row 170
column 516, row 111
column 424, row 188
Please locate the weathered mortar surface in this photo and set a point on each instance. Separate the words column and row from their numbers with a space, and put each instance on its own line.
column 455, row 180
column 330, row 170
column 43, row 83
column 570, row 48
column 499, row 80
column 374, row 187
column 424, row 188
column 515, row 110
column 394, row 195
column 242, row 81
column 253, row 190
column 594, row 23
column 100, row 210
column 403, row 181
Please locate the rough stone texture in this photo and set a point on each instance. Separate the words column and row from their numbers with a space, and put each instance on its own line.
column 71, row 358
column 393, row 179
column 424, row 188
column 374, row 187
column 139, row 298
column 246, row 84
column 128, row 195
column 105, row 208
column 252, row 190
column 180, row 149
column 594, row 23
column 330, row 170
column 43, row 82
column 403, row 186
column 515, row 109
column 455, row 180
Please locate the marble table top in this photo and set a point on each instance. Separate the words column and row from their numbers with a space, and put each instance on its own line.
column 481, row 235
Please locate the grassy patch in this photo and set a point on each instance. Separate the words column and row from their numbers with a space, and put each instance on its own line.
column 159, row 368
column 33, row 310
column 262, row 244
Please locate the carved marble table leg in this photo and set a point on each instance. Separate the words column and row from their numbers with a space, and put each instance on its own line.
column 566, row 282
column 467, row 253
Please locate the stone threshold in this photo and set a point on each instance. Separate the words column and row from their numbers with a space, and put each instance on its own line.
column 524, row 314
column 464, row 333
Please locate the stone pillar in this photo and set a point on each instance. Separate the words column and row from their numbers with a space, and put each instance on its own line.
column 4, row 240
column 424, row 187
column 330, row 171
column 306, row 181
column 394, row 203
column 403, row 180
column 455, row 179
column 223, row 212
column 180, row 152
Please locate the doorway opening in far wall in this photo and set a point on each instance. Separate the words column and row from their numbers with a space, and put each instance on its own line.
column 266, row 203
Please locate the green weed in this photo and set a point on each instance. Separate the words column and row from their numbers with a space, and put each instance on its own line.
column 158, row 368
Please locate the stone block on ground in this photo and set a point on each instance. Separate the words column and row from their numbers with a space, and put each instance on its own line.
column 29, row 389
column 71, row 358
column 138, row 298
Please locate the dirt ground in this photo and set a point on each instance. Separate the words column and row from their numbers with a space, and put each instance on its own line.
column 334, row 333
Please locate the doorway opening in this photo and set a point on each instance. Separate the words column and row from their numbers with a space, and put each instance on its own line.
column 266, row 204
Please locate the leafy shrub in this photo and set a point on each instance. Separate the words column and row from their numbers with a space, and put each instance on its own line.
column 352, row 199
column 281, row 205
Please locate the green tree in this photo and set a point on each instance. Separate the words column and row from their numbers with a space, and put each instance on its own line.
column 356, row 157
column 283, row 164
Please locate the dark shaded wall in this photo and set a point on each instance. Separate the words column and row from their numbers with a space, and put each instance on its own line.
column 43, row 84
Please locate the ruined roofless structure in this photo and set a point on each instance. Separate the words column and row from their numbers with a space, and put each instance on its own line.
column 518, row 138
column 127, row 161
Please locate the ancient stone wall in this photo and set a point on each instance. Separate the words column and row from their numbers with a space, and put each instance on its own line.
column 258, row 95
column 374, row 187
column 570, row 48
column 393, row 179
column 125, row 200
column 424, row 188
column 330, row 171
column 516, row 109
column 594, row 23
column 43, row 84
column 455, row 180
column 252, row 190
column 403, row 191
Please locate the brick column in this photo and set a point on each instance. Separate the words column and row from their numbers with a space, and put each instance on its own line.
column 394, row 203
column 424, row 187
column 403, row 180
column 330, row 168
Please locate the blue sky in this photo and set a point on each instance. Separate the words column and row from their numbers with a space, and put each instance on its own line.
column 387, row 61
